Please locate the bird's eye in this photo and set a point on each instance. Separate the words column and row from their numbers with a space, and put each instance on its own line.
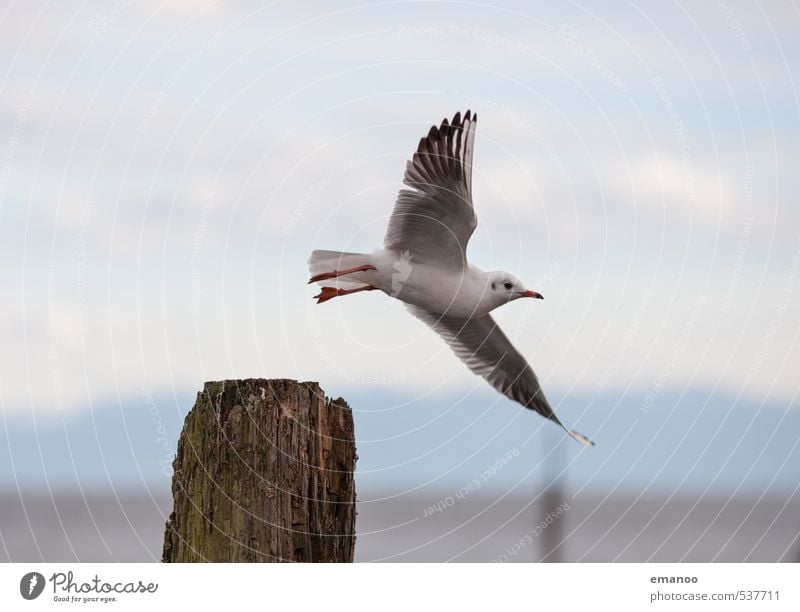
column 507, row 285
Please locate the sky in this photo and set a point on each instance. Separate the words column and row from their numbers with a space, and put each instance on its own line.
column 166, row 168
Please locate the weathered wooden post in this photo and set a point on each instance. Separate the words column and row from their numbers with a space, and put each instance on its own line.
column 263, row 473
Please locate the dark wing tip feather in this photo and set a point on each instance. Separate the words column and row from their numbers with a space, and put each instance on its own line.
column 579, row 437
column 441, row 155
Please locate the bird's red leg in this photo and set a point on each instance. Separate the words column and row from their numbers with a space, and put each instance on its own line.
column 338, row 273
column 328, row 293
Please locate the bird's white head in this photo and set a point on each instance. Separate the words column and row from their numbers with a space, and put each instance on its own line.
column 503, row 287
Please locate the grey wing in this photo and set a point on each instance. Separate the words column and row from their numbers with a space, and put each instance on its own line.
column 486, row 351
column 434, row 219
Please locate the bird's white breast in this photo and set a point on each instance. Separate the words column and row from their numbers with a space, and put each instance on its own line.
column 458, row 294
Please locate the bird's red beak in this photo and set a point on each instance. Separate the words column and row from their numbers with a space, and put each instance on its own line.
column 531, row 294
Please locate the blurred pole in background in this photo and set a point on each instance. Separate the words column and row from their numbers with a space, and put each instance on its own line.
column 550, row 534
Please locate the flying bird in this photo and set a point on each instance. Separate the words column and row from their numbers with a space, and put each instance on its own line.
column 423, row 263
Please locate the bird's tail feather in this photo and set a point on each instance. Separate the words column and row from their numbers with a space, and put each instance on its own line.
column 321, row 262
column 325, row 261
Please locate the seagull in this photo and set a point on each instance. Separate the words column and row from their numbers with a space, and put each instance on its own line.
column 424, row 264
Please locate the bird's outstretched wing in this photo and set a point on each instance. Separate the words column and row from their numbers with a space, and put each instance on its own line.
column 435, row 219
column 484, row 348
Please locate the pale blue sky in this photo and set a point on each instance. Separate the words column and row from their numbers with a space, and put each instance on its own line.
column 166, row 170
